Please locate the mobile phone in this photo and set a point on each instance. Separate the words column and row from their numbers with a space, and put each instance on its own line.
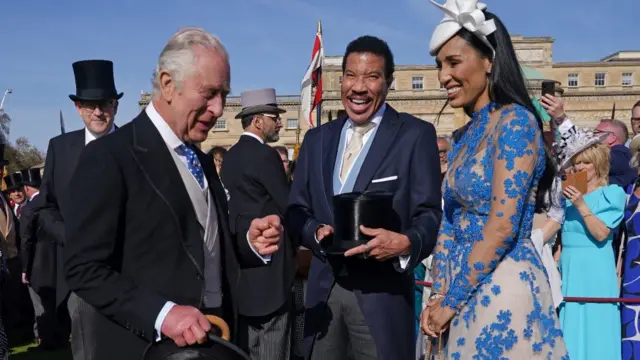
column 577, row 180
column 548, row 87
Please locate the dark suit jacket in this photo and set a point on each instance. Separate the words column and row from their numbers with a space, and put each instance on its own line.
column 62, row 157
column 253, row 174
column 133, row 239
column 404, row 146
column 39, row 249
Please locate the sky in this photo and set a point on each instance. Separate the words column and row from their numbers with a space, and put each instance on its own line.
column 269, row 42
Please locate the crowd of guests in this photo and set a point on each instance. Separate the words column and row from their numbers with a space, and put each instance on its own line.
column 142, row 246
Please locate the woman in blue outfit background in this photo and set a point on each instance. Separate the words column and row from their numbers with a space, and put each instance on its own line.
column 490, row 288
column 591, row 331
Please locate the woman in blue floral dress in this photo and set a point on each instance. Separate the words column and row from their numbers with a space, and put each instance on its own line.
column 490, row 288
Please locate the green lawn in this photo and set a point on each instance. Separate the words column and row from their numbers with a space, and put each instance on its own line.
column 26, row 352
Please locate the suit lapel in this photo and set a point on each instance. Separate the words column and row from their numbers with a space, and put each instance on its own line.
column 75, row 149
column 152, row 155
column 330, row 142
column 383, row 139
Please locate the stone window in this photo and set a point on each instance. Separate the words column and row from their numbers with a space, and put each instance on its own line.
column 600, row 79
column 627, row 79
column 417, row 83
column 572, row 80
column 292, row 123
column 221, row 124
column 340, row 80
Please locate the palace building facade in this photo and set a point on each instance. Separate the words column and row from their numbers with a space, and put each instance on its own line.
column 590, row 88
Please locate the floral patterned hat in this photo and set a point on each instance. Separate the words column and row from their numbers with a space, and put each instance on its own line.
column 574, row 144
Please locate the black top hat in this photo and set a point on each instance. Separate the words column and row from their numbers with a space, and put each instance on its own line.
column 94, row 81
column 31, row 177
column 350, row 210
column 13, row 181
column 3, row 161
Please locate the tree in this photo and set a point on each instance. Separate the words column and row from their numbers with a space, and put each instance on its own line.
column 5, row 123
column 22, row 155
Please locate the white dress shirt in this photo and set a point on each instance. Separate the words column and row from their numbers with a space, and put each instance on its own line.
column 89, row 136
column 377, row 118
column 169, row 137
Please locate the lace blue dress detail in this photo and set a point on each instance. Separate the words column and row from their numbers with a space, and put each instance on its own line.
column 484, row 262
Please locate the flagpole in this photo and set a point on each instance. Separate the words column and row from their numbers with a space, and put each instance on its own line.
column 319, row 106
column 62, row 130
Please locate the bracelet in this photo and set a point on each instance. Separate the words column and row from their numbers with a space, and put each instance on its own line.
column 560, row 119
column 435, row 296
column 587, row 215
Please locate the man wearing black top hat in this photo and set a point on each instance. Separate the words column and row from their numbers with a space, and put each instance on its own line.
column 15, row 193
column 39, row 264
column 17, row 311
column 96, row 101
column 360, row 301
column 258, row 186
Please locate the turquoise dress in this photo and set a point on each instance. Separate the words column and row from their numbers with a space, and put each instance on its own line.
column 484, row 262
column 591, row 331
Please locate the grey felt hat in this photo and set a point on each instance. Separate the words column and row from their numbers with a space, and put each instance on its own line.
column 259, row 101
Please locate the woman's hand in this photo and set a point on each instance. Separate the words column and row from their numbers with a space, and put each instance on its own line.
column 425, row 324
column 439, row 316
column 572, row 194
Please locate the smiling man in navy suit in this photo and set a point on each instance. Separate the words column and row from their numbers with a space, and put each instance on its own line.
column 367, row 311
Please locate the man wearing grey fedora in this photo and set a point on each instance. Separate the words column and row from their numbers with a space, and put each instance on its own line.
column 258, row 186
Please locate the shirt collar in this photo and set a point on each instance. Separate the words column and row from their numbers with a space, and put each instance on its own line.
column 89, row 136
column 253, row 136
column 377, row 117
column 34, row 196
column 169, row 137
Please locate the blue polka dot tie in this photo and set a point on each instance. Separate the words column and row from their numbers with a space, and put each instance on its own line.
column 193, row 163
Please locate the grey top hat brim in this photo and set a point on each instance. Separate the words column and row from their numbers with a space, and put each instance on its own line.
column 252, row 110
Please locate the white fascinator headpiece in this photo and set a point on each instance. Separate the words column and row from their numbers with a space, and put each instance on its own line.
column 573, row 145
column 460, row 14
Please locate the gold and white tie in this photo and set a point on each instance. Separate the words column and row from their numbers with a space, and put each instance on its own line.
column 353, row 148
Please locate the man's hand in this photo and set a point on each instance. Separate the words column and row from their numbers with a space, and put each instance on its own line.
column 264, row 234
column 25, row 279
column 323, row 232
column 384, row 245
column 186, row 325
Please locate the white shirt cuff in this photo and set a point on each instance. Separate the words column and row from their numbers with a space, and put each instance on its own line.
column 265, row 259
column 404, row 261
column 160, row 319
